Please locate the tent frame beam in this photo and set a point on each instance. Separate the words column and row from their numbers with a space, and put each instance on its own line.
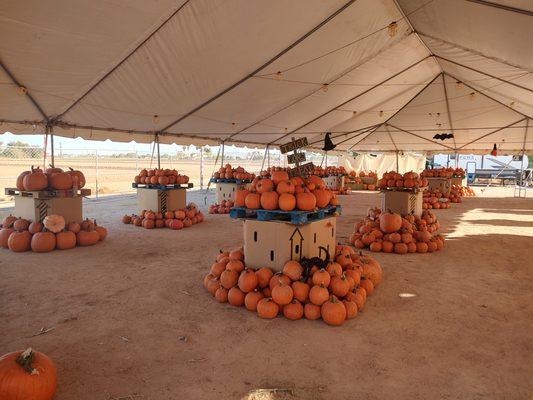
column 398, row 111
column 261, row 67
column 502, row 7
column 492, row 132
column 340, row 76
column 487, row 74
column 122, row 61
column 448, row 110
column 486, row 95
column 354, row 98
column 421, row 137
column 30, row 97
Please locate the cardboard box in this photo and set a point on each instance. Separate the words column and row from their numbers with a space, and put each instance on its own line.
column 402, row 202
column 334, row 182
column 273, row 243
column 369, row 180
column 226, row 191
column 442, row 184
column 458, row 181
column 161, row 200
column 37, row 209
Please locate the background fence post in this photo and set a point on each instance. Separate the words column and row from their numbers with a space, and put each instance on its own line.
column 96, row 174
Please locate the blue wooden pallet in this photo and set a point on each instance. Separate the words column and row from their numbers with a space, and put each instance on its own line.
column 295, row 217
column 161, row 187
column 237, row 181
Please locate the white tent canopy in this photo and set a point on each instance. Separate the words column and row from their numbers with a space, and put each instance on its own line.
column 380, row 75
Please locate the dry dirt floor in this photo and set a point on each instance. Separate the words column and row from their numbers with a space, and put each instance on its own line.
column 130, row 319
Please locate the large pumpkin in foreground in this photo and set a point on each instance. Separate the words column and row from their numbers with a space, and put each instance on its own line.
column 27, row 375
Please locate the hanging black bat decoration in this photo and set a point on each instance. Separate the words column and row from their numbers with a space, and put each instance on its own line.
column 443, row 136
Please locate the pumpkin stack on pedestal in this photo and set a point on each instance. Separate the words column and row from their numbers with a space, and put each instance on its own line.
column 161, row 177
column 279, row 192
column 176, row 220
column 51, row 178
column 409, row 180
column 19, row 235
column 391, row 233
column 334, row 290
column 227, row 172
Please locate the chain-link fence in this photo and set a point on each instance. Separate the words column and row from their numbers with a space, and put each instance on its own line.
column 111, row 171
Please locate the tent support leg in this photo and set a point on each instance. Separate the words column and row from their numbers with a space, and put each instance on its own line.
column 222, row 158
column 397, row 162
column 158, row 153
column 264, row 158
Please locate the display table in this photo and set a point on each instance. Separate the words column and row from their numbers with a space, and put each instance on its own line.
column 36, row 205
column 159, row 198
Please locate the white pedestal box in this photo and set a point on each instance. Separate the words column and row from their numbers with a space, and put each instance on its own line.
column 158, row 200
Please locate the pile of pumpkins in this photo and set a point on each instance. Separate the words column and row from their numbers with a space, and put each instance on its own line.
column 463, row 191
column 440, row 172
column 228, row 172
column 335, row 291
column 223, row 208
column 329, row 171
column 409, row 180
column 176, row 220
column 435, row 199
column 51, row 178
column 279, row 192
column 160, row 176
column 459, row 173
column 19, row 234
column 391, row 233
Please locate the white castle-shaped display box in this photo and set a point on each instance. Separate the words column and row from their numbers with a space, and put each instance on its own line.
column 273, row 243
column 334, row 182
column 226, row 191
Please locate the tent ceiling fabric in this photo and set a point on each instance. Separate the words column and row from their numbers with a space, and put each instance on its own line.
column 256, row 73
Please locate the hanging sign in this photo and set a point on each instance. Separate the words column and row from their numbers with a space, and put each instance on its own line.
column 293, row 145
column 295, row 158
column 302, row 170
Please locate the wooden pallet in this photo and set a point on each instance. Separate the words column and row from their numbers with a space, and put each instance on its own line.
column 48, row 194
column 237, row 181
column 161, row 187
column 295, row 217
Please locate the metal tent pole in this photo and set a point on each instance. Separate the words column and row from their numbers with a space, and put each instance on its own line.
column 158, row 153
column 52, row 153
column 222, row 159
column 397, row 161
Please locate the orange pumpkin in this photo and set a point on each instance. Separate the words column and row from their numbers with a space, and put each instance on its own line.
column 20, row 180
column 300, row 291
column 311, row 311
column 285, row 187
column 279, row 176
column 253, row 201
column 390, row 222
column 19, row 241
column 323, row 197
column 293, row 270
column 229, row 278
column 287, row 202
column 87, row 238
column 21, row 224
column 305, row 201
column 294, row 310
column 60, row 181
column 267, row 308
column 26, row 375
column 269, row 200
column 247, row 280
column 321, row 277
column 221, row 294
column 35, row 227
column 333, row 312
column 43, row 242
column 351, row 309
column 65, row 240
column 236, row 297
column 78, row 179
column 264, row 185
column 340, row 286
column 35, row 180
column 282, row 294
column 263, row 276
column 318, row 295
column 251, row 299
column 240, row 197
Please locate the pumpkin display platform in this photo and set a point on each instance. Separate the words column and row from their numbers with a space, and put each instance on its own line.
column 20, row 235
column 295, row 217
column 172, row 219
column 332, row 289
column 391, row 233
column 162, row 187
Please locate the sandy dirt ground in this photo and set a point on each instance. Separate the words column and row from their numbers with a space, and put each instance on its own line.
column 130, row 318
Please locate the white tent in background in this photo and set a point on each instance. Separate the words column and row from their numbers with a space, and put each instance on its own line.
column 380, row 75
